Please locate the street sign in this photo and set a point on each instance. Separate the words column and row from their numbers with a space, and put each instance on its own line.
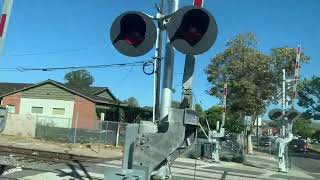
column 247, row 120
column 258, row 120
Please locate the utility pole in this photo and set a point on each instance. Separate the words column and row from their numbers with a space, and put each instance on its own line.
column 166, row 95
column 157, row 66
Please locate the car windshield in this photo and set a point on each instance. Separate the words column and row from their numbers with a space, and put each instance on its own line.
column 298, row 141
column 154, row 89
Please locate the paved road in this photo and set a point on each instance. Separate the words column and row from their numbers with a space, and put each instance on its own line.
column 182, row 169
column 309, row 162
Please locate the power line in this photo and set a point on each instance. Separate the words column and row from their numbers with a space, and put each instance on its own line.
column 23, row 69
column 56, row 51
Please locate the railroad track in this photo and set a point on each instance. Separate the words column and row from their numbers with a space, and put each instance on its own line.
column 45, row 156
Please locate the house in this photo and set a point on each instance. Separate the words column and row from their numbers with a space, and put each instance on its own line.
column 63, row 105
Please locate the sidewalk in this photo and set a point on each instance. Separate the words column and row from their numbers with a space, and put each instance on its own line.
column 270, row 163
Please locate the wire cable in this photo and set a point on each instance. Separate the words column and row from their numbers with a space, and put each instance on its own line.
column 146, row 64
column 62, row 51
column 23, row 69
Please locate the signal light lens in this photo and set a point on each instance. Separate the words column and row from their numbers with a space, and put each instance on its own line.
column 133, row 33
column 194, row 25
column 277, row 114
column 292, row 115
column 134, row 38
column 192, row 35
column 192, row 30
column 133, row 29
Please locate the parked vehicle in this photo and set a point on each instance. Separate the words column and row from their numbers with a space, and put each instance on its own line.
column 298, row 145
column 265, row 141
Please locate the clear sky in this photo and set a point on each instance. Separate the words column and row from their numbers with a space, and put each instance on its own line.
column 51, row 33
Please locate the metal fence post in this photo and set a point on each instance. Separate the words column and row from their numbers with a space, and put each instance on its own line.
column 106, row 138
column 75, row 128
column 117, row 139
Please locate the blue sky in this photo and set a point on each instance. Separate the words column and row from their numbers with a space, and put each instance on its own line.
column 78, row 31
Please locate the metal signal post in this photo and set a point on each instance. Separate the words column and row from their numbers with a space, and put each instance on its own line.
column 286, row 115
column 150, row 147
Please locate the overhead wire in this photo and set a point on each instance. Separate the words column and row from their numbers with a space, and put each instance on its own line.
column 57, row 51
column 131, row 64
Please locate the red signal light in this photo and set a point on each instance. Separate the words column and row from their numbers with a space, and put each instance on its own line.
column 134, row 38
column 132, row 29
column 192, row 35
column 194, row 25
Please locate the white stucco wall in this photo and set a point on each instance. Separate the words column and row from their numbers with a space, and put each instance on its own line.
column 65, row 120
column 20, row 125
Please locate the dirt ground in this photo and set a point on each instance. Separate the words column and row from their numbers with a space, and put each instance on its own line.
column 95, row 150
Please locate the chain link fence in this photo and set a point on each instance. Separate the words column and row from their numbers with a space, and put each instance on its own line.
column 61, row 130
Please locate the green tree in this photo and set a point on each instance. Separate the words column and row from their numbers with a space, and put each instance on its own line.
column 253, row 78
column 213, row 114
column 132, row 102
column 302, row 128
column 175, row 104
column 200, row 113
column 309, row 97
column 316, row 134
column 248, row 74
column 79, row 78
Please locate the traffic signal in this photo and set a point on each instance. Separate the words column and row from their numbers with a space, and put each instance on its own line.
column 192, row 30
column 292, row 115
column 133, row 33
column 276, row 114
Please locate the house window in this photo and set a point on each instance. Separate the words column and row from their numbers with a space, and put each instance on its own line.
column 37, row 110
column 58, row 111
column 11, row 108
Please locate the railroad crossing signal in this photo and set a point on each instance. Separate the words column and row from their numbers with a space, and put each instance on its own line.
column 133, row 33
column 192, row 30
column 277, row 114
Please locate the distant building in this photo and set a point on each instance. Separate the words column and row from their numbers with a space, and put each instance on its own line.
column 59, row 102
column 274, row 130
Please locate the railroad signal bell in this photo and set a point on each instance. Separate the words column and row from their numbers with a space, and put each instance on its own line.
column 133, row 33
column 192, row 30
column 276, row 114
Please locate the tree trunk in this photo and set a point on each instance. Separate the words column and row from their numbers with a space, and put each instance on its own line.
column 249, row 144
column 239, row 140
